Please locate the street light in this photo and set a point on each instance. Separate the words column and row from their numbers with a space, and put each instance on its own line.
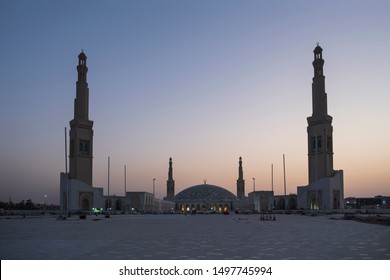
column 154, row 193
column 45, row 203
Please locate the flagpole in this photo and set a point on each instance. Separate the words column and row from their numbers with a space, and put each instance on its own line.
column 108, row 183
column 284, row 174
column 272, row 176
column 66, row 174
column 126, row 208
column 317, row 206
column 272, row 185
column 125, row 180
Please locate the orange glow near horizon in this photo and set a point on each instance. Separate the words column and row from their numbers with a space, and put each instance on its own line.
column 197, row 83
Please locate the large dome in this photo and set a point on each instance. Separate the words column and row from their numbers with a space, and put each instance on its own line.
column 205, row 192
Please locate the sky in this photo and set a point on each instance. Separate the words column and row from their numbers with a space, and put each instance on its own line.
column 203, row 82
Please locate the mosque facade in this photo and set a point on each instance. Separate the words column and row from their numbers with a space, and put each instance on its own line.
column 325, row 189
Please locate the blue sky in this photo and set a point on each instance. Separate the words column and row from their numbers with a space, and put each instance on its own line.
column 203, row 82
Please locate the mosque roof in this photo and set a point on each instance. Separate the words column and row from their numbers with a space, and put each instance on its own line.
column 205, row 192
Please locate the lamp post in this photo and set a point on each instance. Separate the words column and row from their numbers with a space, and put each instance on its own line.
column 126, row 205
column 154, row 193
column 66, row 174
column 272, row 177
column 317, row 206
column 254, row 198
column 154, row 187
column 45, row 203
column 284, row 175
column 125, row 179
column 108, row 184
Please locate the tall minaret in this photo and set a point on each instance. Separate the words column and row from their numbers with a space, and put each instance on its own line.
column 319, row 130
column 170, row 183
column 81, row 133
column 240, row 181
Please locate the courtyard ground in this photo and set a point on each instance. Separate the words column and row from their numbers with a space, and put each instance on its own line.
column 202, row 237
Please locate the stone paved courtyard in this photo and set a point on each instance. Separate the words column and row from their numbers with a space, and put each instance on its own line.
column 202, row 237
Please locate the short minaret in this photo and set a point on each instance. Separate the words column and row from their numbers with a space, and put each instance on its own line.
column 319, row 130
column 240, row 181
column 170, row 183
column 81, row 133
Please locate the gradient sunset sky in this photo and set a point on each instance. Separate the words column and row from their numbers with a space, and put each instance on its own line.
column 203, row 82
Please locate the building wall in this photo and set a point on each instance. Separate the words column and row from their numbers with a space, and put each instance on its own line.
column 285, row 202
column 164, row 206
column 202, row 205
column 81, row 151
column 241, row 205
column 261, row 201
column 329, row 192
column 79, row 192
column 84, row 197
column 140, row 201
column 320, row 149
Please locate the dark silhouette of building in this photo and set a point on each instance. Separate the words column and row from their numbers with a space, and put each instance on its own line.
column 81, row 133
column 319, row 130
column 240, row 181
column 170, row 183
column 326, row 186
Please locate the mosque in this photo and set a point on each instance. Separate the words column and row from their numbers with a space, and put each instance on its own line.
column 325, row 190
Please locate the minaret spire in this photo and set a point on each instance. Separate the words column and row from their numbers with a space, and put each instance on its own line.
column 170, row 170
column 319, row 98
column 81, row 133
column 170, row 183
column 326, row 186
column 240, row 181
column 320, row 148
column 240, row 172
column 82, row 92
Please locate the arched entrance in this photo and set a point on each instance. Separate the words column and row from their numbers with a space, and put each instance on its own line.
column 336, row 199
column 118, row 204
column 313, row 203
column 85, row 204
column 85, row 201
column 281, row 204
column 315, row 198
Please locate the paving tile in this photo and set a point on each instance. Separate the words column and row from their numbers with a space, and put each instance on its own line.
column 193, row 237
